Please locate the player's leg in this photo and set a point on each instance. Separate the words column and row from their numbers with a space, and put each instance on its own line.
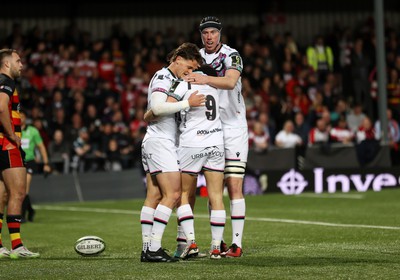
column 214, row 175
column 186, row 218
column 15, row 181
column 170, row 187
column 189, row 169
column 238, row 212
column 4, row 252
column 161, row 158
column 236, row 151
column 153, row 197
column 217, row 215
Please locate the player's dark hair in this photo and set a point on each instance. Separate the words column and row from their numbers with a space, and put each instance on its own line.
column 208, row 70
column 5, row 53
column 188, row 51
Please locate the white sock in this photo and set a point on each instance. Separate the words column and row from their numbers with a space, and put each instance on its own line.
column 161, row 218
column 238, row 213
column 180, row 239
column 146, row 220
column 186, row 220
column 217, row 222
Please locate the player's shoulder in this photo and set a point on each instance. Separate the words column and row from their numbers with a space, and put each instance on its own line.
column 7, row 84
column 228, row 50
column 164, row 74
column 162, row 80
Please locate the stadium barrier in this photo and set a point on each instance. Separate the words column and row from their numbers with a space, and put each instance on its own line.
column 322, row 170
column 88, row 186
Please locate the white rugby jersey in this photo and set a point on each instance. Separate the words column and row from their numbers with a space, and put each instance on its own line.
column 232, row 106
column 163, row 127
column 199, row 126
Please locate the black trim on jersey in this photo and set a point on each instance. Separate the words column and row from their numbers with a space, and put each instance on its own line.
column 171, row 91
column 220, row 47
column 7, row 85
column 173, row 75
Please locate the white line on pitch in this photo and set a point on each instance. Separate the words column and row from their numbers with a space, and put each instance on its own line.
column 288, row 221
column 344, row 196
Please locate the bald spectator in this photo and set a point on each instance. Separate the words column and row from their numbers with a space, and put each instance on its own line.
column 286, row 138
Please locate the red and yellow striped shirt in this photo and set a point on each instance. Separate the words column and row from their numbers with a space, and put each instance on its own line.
column 7, row 86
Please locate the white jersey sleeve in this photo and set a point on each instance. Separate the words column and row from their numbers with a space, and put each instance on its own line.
column 165, row 126
column 232, row 106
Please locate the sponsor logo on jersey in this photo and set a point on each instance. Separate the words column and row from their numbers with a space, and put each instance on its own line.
column 209, row 152
column 206, row 132
column 6, row 88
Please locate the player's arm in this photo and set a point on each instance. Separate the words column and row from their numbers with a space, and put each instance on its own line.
column 45, row 158
column 161, row 108
column 227, row 82
column 5, row 119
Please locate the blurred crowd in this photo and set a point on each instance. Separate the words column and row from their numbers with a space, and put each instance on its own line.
column 87, row 97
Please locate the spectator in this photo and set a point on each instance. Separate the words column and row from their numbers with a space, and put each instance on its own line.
column 361, row 66
column 355, row 117
column 50, row 79
column 301, row 127
column 82, row 159
column 286, row 138
column 38, row 124
column 75, row 80
column 59, row 151
column 269, row 127
column 367, row 146
column 393, row 135
column 319, row 134
column 320, row 58
column 106, row 67
column 341, row 133
column 66, row 63
column 258, row 139
column 113, row 159
column 86, row 64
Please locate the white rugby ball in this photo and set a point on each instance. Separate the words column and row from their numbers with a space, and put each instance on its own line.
column 90, row 245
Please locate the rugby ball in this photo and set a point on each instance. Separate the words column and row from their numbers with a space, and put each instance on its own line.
column 90, row 245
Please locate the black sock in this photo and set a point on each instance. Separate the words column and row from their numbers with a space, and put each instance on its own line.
column 28, row 203
column 24, row 206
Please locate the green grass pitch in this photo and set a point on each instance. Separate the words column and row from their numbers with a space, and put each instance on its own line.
column 337, row 236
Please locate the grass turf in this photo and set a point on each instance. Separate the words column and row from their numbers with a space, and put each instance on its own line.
column 351, row 236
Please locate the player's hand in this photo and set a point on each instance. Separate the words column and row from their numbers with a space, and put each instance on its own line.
column 14, row 138
column 46, row 168
column 196, row 100
column 196, row 79
column 149, row 116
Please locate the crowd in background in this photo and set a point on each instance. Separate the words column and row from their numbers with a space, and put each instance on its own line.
column 87, row 97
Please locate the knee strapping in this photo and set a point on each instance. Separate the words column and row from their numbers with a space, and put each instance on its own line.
column 235, row 169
